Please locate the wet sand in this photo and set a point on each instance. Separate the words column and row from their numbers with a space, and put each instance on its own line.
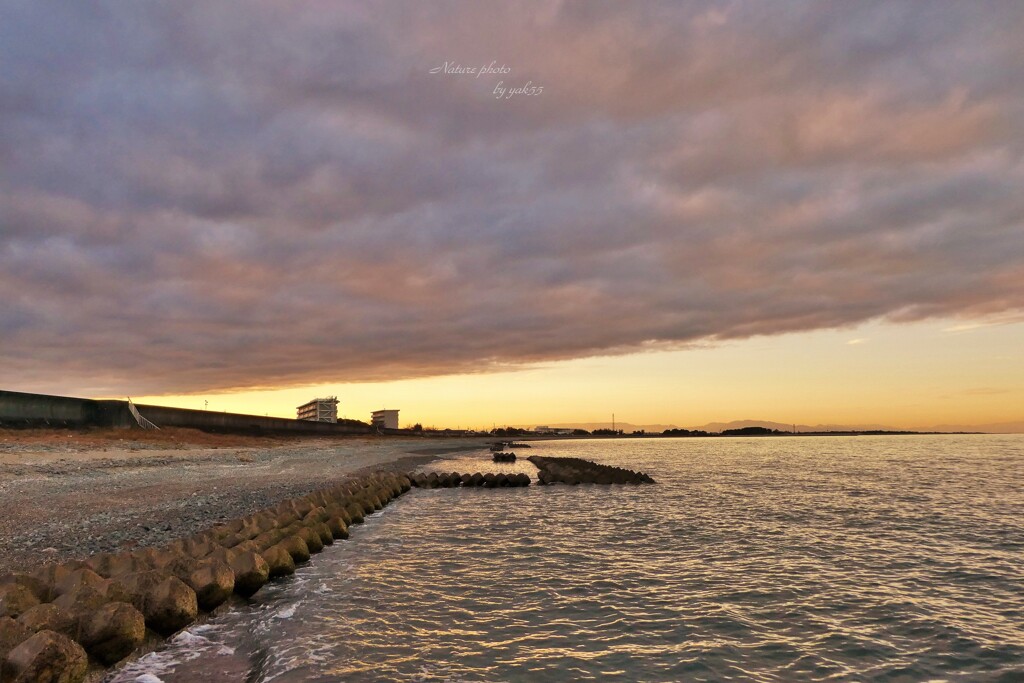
column 67, row 495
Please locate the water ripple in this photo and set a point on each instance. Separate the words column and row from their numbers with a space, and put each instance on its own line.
column 881, row 559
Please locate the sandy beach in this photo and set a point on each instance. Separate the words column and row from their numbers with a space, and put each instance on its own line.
column 69, row 494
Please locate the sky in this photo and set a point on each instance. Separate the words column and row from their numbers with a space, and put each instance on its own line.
column 680, row 213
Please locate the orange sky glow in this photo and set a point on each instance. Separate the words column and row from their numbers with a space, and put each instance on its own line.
column 680, row 213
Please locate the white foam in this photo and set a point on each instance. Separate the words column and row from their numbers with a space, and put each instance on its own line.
column 287, row 612
column 190, row 639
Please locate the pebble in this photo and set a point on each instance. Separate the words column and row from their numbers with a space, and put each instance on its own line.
column 70, row 530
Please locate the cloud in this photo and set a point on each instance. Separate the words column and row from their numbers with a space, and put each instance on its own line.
column 194, row 198
column 1008, row 318
column 857, row 342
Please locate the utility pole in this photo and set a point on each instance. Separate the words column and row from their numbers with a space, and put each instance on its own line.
column 613, row 422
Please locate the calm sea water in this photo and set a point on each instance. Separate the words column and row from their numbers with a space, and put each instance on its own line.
column 773, row 559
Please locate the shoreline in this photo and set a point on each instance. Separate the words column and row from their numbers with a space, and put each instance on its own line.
column 68, row 497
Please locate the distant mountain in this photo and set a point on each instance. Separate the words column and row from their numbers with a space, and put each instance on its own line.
column 782, row 427
column 992, row 428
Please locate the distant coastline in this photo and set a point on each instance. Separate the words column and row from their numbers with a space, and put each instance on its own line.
column 25, row 410
column 730, row 433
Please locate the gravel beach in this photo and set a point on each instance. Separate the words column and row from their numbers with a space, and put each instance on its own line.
column 66, row 495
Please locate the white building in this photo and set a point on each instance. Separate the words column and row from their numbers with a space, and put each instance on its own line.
column 319, row 410
column 384, row 419
column 560, row 431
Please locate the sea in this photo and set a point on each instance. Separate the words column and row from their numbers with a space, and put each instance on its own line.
column 860, row 558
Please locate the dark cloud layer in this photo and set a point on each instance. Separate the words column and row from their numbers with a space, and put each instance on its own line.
column 196, row 195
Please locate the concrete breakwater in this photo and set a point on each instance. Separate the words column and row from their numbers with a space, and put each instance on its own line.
column 572, row 471
column 550, row 470
column 66, row 621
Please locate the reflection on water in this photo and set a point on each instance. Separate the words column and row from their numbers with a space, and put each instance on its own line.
column 776, row 559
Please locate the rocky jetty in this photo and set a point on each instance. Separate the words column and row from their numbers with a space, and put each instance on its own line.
column 504, row 457
column 574, row 471
column 66, row 622
column 434, row 480
column 61, row 621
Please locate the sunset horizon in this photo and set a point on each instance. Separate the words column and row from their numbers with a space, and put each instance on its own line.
column 536, row 340
column 773, row 379
column 678, row 234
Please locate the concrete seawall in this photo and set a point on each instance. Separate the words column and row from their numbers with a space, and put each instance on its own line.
column 19, row 409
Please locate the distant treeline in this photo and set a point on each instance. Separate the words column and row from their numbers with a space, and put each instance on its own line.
column 516, row 431
column 745, row 431
column 751, row 431
column 685, row 432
